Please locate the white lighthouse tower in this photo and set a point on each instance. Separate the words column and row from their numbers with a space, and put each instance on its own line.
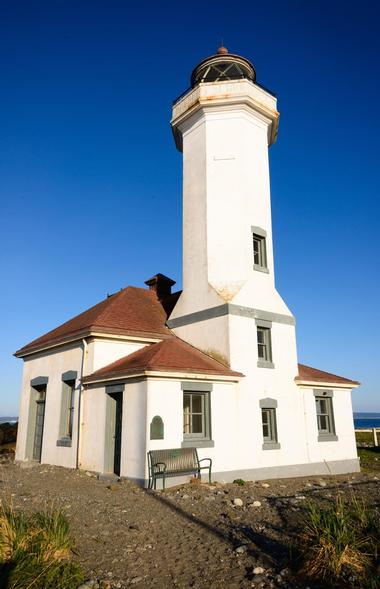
column 224, row 126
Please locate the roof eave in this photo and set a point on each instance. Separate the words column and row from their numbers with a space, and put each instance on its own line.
column 146, row 337
column 325, row 384
column 164, row 373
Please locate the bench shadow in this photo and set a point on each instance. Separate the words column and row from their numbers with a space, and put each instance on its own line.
column 258, row 545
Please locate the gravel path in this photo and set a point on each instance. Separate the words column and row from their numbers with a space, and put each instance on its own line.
column 201, row 536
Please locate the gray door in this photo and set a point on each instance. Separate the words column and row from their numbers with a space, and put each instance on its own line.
column 117, row 436
column 114, row 414
column 39, row 430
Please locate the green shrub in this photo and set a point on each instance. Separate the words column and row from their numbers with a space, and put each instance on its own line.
column 239, row 482
column 36, row 551
column 340, row 543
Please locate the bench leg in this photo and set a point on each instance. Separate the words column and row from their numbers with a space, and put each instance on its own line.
column 209, row 475
column 163, row 482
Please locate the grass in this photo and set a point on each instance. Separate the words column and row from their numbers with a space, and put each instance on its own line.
column 340, row 544
column 36, row 551
column 364, row 438
column 369, row 458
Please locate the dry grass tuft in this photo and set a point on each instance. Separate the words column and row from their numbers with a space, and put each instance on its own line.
column 36, row 551
column 340, row 543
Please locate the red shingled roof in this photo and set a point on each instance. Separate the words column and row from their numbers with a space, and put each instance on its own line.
column 172, row 355
column 131, row 311
column 306, row 373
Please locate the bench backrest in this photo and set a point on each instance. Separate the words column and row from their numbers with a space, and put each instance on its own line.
column 176, row 458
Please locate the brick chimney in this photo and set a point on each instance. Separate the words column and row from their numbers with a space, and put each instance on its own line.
column 162, row 285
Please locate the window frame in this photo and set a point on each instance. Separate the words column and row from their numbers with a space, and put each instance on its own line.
column 198, row 439
column 328, row 434
column 66, row 421
column 269, row 407
column 259, row 238
column 264, row 327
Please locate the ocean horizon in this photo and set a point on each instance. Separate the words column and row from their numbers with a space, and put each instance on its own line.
column 362, row 419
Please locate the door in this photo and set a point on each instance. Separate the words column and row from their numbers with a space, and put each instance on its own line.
column 114, row 416
column 39, row 428
column 117, row 435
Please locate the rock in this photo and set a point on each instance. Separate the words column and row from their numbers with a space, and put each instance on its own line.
column 88, row 473
column 265, row 485
column 322, row 483
column 209, row 498
column 241, row 549
column 256, row 504
column 135, row 580
column 185, row 496
column 300, row 497
column 285, row 573
column 28, row 464
column 375, row 479
column 258, row 571
column 114, row 487
column 89, row 584
column 238, row 502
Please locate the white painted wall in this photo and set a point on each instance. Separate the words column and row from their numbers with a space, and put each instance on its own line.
column 134, row 431
column 345, row 447
column 226, row 191
column 236, row 425
column 93, row 429
column 51, row 364
column 105, row 352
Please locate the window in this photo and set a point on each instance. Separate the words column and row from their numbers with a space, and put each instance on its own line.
column 264, row 346
column 67, row 409
column 268, row 419
column 325, row 417
column 70, row 408
column 259, row 236
column 196, row 418
column 259, row 251
column 194, row 415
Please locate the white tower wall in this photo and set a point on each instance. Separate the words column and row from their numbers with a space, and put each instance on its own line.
column 225, row 129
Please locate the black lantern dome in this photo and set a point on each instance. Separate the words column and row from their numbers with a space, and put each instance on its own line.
column 221, row 67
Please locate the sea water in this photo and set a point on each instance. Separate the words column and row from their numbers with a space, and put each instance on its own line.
column 366, row 420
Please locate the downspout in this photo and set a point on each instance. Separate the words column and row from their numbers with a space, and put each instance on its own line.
column 84, row 344
column 305, row 425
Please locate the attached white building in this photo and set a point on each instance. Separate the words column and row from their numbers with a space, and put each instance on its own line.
column 214, row 366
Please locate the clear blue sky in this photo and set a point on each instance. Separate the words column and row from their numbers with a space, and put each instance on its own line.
column 90, row 180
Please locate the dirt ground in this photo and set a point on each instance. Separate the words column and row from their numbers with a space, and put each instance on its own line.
column 190, row 536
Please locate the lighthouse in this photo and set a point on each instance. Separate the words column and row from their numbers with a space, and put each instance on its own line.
column 224, row 126
column 211, row 369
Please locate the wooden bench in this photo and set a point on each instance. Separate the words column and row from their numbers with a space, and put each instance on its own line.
column 175, row 462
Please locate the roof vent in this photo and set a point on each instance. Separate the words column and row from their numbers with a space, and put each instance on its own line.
column 162, row 285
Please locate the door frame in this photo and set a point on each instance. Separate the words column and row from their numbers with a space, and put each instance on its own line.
column 37, row 385
column 110, row 427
